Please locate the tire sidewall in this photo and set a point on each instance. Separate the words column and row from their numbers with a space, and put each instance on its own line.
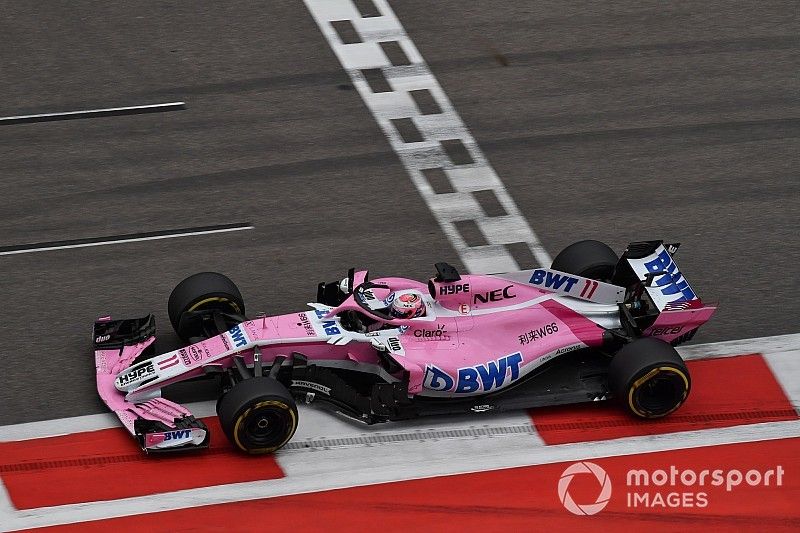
column 643, row 376
column 235, row 405
column 203, row 288
column 271, row 402
column 589, row 259
column 632, row 366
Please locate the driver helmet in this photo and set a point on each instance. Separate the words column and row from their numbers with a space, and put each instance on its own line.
column 406, row 304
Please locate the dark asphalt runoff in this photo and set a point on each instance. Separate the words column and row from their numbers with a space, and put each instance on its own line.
column 617, row 121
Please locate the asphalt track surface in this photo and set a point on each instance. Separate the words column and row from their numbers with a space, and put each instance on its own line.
column 621, row 121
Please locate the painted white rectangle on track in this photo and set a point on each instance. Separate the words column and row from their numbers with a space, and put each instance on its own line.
column 441, row 142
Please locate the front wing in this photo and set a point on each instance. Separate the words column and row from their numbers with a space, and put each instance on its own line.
column 158, row 424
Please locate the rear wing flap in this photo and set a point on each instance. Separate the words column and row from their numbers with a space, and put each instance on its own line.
column 651, row 262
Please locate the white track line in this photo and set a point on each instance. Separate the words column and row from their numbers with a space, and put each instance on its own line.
column 762, row 345
column 89, row 112
column 417, row 156
column 123, row 241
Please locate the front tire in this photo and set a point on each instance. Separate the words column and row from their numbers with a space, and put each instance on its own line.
column 203, row 294
column 649, row 378
column 589, row 259
column 258, row 415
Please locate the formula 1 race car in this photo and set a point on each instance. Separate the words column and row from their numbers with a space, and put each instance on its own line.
column 592, row 327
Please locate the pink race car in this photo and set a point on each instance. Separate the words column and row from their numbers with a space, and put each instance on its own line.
column 592, row 327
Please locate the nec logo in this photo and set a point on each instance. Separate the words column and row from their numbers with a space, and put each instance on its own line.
column 177, row 435
column 673, row 282
column 238, row 337
column 483, row 377
column 494, row 296
column 453, row 289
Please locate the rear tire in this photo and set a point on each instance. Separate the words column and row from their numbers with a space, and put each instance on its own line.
column 206, row 291
column 589, row 259
column 649, row 378
column 258, row 415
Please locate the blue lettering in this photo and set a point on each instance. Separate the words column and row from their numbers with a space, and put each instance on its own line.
column 673, row 281
column 486, row 377
column 552, row 280
column 320, row 314
column 330, row 328
column 175, row 435
column 513, row 361
column 493, row 374
column 555, row 280
column 436, row 379
column 238, row 337
column 538, row 277
column 468, row 380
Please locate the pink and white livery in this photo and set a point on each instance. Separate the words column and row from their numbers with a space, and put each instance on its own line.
column 592, row 327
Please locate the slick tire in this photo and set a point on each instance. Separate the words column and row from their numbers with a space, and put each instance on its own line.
column 206, row 291
column 649, row 378
column 258, row 415
column 589, row 259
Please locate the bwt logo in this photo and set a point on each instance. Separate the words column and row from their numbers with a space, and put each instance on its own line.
column 238, row 337
column 584, row 468
column 551, row 280
column 488, row 376
column 330, row 327
column 177, row 435
column 673, row 282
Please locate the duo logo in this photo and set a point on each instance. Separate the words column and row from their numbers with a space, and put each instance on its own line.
column 485, row 377
column 672, row 283
column 238, row 337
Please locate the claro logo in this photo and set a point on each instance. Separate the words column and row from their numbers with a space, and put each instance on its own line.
column 581, row 469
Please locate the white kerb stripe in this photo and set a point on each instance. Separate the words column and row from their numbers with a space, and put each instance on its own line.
column 417, row 156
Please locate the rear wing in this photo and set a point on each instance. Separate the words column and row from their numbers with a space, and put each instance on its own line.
column 651, row 262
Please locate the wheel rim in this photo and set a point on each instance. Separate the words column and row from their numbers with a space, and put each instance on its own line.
column 659, row 392
column 199, row 327
column 265, row 427
column 215, row 302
